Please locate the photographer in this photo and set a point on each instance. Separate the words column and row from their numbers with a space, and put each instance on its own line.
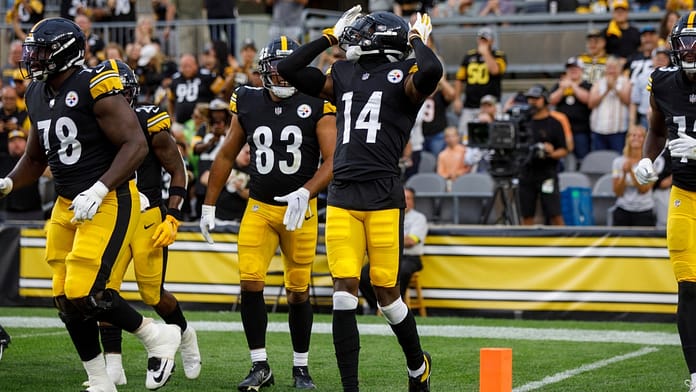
column 539, row 173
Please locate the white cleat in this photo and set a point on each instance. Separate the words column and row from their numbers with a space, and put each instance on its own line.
column 161, row 342
column 96, row 384
column 190, row 355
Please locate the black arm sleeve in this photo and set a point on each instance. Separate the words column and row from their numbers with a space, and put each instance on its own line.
column 429, row 68
column 295, row 68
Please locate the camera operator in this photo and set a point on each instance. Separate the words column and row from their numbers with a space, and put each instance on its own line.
column 539, row 173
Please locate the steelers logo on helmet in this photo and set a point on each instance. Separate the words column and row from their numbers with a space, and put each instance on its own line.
column 71, row 99
column 269, row 57
column 683, row 42
column 52, row 46
column 304, row 110
column 379, row 33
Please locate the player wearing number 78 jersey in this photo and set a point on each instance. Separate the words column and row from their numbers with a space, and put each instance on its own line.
column 288, row 135
column 377, row 93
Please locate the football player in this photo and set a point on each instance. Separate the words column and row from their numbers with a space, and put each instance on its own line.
column 289, row 134
column 156, row 229
column 86, row 132
column 378, row 92
column 673, row 121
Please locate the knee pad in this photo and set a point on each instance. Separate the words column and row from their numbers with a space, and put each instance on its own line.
column 343, row 300
column 95, row 304
column 395, row 312
column 67, row 311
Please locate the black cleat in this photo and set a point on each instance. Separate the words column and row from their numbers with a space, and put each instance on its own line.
column 259, row 376
column 302, row 378
column 422, row 383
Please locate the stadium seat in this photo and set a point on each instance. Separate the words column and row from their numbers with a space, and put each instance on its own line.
column 473, row 192
column 603, row 200
column 429, row 188
column 575, row 179
column 416, row 302
column 597, row 162
column 428, row 162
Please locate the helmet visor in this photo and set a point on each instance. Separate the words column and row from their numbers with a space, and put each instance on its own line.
column 35, row 59
column 687, row 42
column 271, row 75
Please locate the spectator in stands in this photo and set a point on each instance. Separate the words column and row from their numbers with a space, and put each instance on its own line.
column 114, row 51
column 233, row 198
column 24, row 13
column 406, row 8
column 679, row 5
column 122, row 12
column 609, row 100
column 595, row 58
column 11, row 118
column 149, row 71
column 665, row 28
column 480, row 73
column 94, row 53
column 634, row 202
column 415, row 230
column 145, row 30
column 570, row 96
column 451, row 162
column 24, row 203
column 189, row 86
column 20, row 85
column 286, row 18
column 188, row 35
column 212, row 138
column 623, row 39
column 219, row 31
column 452, row 8
column 411, row 156
column 640, row 96
column 538, row 179
column 488, row 110
column 14, row 55
column 243, row 71
column 640, row 64
column 165, row 11
column 497, row 8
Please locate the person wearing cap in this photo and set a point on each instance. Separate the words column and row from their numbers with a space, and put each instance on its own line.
column 189, row 86
column 480, row 73
column 623, row 39
column 609, row 100
column 594, row 58
column 11, row 118
column 538, row 179
column 640, row 63
column 569, row 96
column 25, row 203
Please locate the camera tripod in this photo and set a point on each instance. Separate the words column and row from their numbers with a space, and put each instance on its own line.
column 504, row 195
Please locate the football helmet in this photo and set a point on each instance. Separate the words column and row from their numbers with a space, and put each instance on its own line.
column 376, row 33
column 683, row 42
column 269, row 57
column 131, row 88
column 52, row 46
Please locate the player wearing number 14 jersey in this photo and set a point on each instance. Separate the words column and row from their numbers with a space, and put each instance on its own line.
column 288, row 134
column 377, row 92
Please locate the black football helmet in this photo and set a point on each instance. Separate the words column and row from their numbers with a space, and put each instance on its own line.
column 683, row 42
column 269, row 57
column 52, row 46
column 376, row 33
column 131, row 88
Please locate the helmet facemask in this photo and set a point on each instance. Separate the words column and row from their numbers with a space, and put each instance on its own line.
column 370, row 36
column 272, row 79
column 684, row 52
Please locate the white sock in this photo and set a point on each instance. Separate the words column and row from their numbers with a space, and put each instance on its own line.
column 114, row 360
column 258, row 355
column 417, row 372
column 96, row 369
column 395, row 312
column 693, row 378
column 300, row 359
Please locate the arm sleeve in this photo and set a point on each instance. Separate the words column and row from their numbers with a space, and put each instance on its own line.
column 429, row 68
column 295, row 68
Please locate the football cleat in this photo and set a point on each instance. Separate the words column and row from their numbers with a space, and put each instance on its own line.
column 4, row 340
column 690, row 385
column 259, row 376
column 190, row 355
column 302, row 378
column 161, row 342
column 422, row 383
column 96, row 384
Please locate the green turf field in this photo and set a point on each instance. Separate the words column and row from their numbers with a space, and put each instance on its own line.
column 547, row 355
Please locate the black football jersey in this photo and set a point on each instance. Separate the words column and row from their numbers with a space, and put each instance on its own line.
column 188, row 92
column 479, row 82
column 676, row 98
column 77, row 150
column 374, row 117
column 152, row 121
column 282, row 139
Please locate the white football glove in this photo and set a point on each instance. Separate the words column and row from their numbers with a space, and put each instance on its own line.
column 421, row 28
column 683, row 147
column 334, row 33
column 645, row 172
column 207, row 222
column 298, row 205
column 5, row 186
column 86, row 204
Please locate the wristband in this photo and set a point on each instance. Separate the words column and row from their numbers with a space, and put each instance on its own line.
column 177, row 191
column 176, row 214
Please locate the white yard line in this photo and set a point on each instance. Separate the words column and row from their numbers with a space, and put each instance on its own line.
column 582, row 369
column 513, row 333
